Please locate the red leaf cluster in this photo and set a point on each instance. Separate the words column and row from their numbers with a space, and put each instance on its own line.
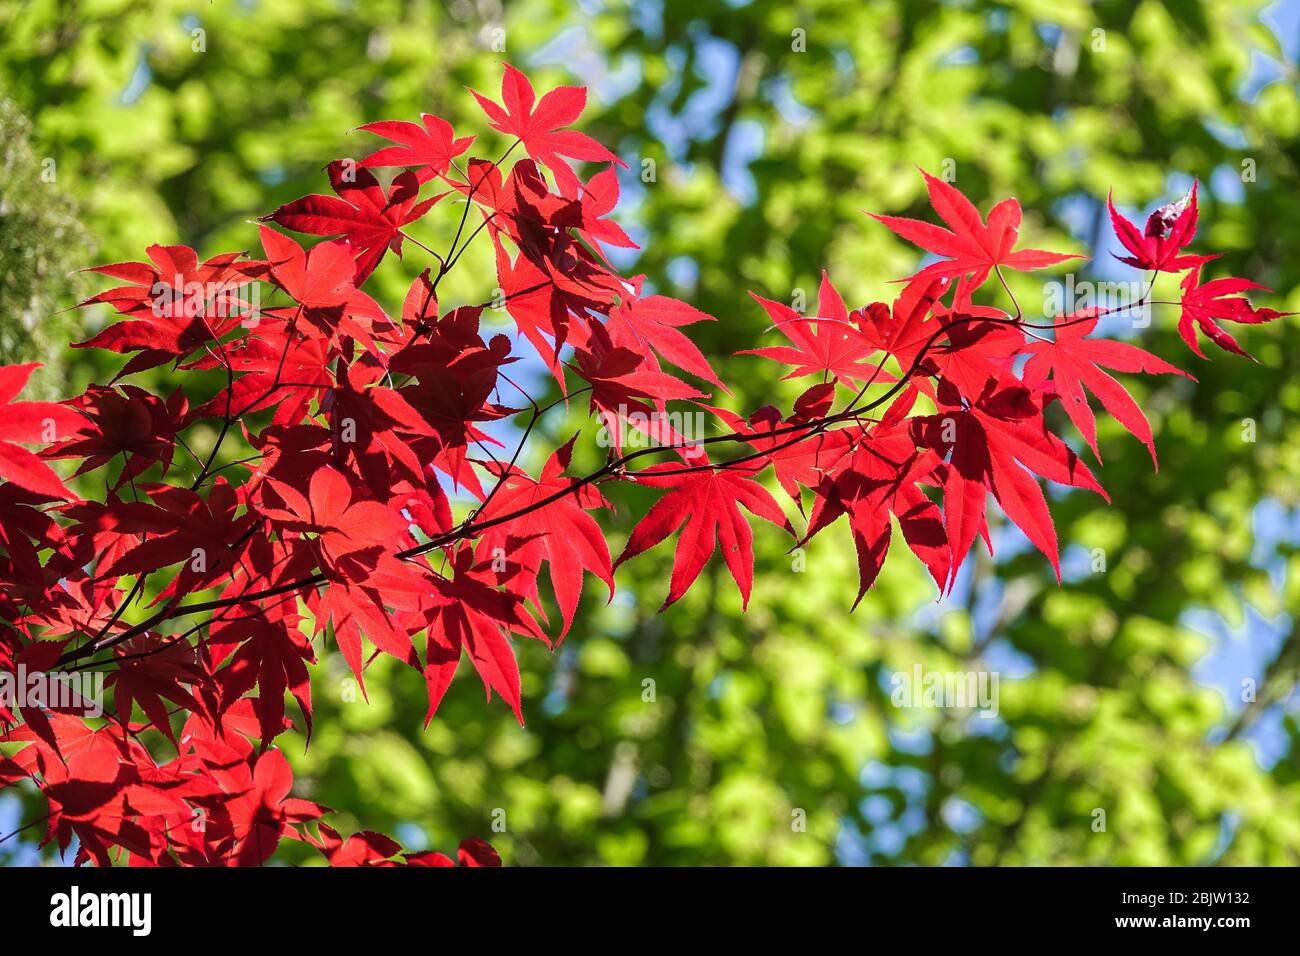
column 205, row 585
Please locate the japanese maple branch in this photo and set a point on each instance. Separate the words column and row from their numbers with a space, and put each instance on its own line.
column 616, row 467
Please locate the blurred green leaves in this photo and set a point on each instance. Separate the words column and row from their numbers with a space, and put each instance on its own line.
column 701, row 736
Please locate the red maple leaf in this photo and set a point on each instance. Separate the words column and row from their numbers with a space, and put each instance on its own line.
column 881, row 478
column 539, row 126
column 261, row 813
column 430, row 145
column 827, row 344
column 620, row 378
column 127, row 421
column 455, row 373
column 360, row 213
column 470, row 612
column 375, row 425
column 172, row 285
column 1205, row 305
column 988, row 444
column 31, row 423
column 323, row 282
column 904, row 328
column 23, row 527
column 1169, row 229
column 179, row 526
column 473, row 852
column 705, row 504
column 651, row 325
column 1074, row 361
column 972, row 247
column 558, row 531
column 322, row 278
column 599, row 197
column 355, row 612
column 271, row 369
column 364, row 848
column 153, row 668
column 544, row 298
column 343, row 524
column 797, row 460
column 268, row 652
column 174, row 305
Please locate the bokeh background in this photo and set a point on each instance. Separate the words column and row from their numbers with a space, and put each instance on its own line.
column 1160, row 690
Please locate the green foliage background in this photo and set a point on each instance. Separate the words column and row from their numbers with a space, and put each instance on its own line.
column 1120, row 691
